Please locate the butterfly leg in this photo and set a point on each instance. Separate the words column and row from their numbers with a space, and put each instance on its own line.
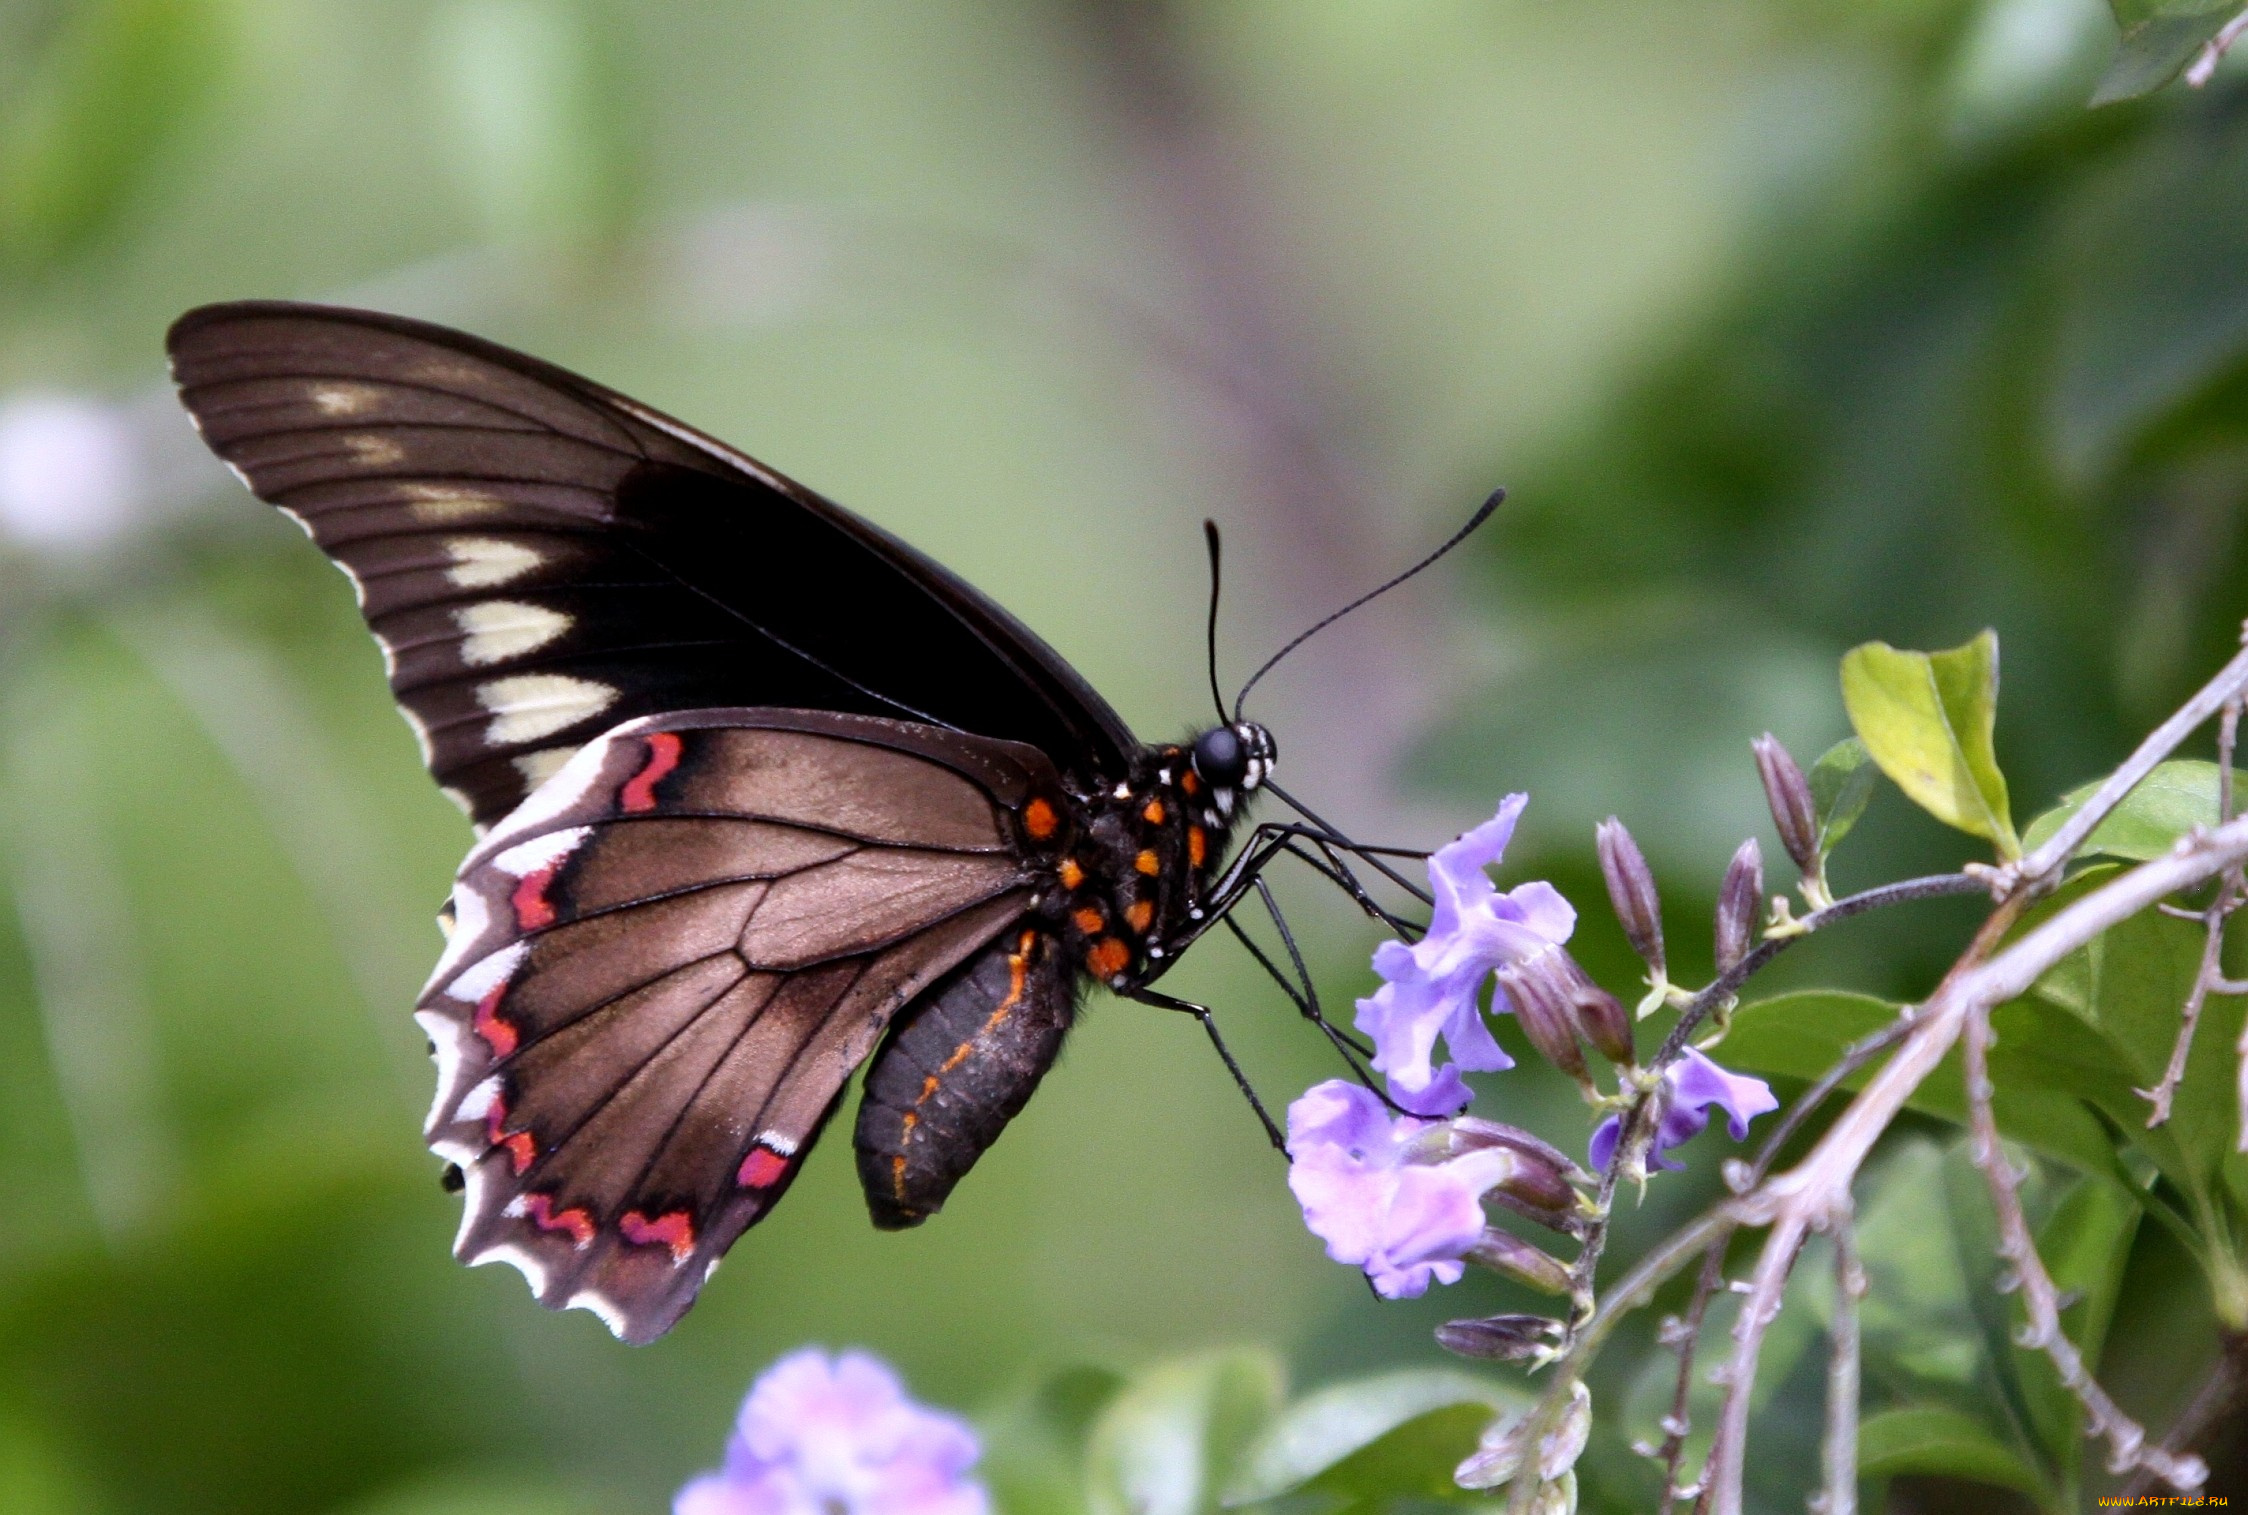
column 1344, row 1042
column 1162, row 1001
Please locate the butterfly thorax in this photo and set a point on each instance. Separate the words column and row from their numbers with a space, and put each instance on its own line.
column 1132, row 863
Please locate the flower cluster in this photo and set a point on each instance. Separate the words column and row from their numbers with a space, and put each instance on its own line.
column 838, row 1436
column 1397, row 1185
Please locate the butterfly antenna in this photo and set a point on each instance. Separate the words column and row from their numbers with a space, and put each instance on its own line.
column 1210, row 535
column 1481, row 515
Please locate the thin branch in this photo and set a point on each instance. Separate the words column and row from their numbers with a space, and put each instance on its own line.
column 1728, row 985
column 1632, row 1291
column 1818, row 1188
column 2062, row 844
column 2126, row 1438
column 1839, row 1452
column 1687, row 1333
column 1721, row 1478
column 2204, row 65
column 2210, row 977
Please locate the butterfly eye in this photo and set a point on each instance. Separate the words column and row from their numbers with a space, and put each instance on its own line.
column 1220, row 759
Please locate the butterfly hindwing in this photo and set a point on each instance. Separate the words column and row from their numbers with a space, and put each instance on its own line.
column 664, row 967
column 541, row 558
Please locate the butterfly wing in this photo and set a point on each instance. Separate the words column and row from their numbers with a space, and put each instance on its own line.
column 665, row 966
column 541, row 558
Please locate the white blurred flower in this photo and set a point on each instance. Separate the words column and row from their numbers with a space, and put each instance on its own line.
column 70, row 472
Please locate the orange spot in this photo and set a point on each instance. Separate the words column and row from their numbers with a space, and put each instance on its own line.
column 539, row 1210
column 1190, row 782
column 1140, row 913
column 1197, row 845
column 1072, row 875
column 674, row 1229
column 929, row 1086
column 897, row 1177
column 1088, row 920
column 1153, row 814
column 1148, row 863
column 762, row 1168
column 1107, row 958
column 1039, row 820
column 639, row 792
column 501, row 1036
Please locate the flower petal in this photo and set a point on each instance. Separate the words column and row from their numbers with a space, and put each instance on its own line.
column 1701, row 1083
column 1446, row 1094
column 1455, row 870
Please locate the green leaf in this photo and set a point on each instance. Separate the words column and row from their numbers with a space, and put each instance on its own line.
column 1932, row 1439
column 1918, row 1316
column 2160, row 38
column 2169, row 802
column 1926, row 718
column 1801, row 1034
column 1841, row 786
column 1394, row 1434
column 1171, row 1439
column 2124, row 993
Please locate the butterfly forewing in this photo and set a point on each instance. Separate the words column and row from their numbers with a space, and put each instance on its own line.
column 665, row 966
column 541, row 558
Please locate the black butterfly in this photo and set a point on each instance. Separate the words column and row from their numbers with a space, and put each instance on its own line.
column 757, row 787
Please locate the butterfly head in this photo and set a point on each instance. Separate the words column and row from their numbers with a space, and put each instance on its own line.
column 1233, row 759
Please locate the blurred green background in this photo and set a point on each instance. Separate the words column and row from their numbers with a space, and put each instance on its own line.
column 1790, row 323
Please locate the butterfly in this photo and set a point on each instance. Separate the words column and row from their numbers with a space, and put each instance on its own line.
column 761, row 795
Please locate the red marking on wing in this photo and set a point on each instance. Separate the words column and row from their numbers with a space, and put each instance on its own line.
column 539, row 1210
column 522, row 1150
column 532, row 908
column 500, row 1035
column 1040, row 820
column 639, row 792
column 522, row 1147
column 674, row 1229
column 762, row 1169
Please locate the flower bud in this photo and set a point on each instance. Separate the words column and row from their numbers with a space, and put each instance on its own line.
column 1740, row 899
column 1534, row 1181
column 1541, row 991
column 1504, row 1252
column 1603, row 1021
column 1789, row 795
column 1631, row 889
column 1472, row 1133
column 1500, row 1338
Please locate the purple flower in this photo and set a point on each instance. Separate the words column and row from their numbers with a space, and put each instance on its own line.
column 1435, row 987
column 1696, row 1085
column 837, row 1436
column 1370, row 1191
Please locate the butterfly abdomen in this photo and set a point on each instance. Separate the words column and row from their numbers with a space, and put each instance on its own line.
column 958, row 1068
